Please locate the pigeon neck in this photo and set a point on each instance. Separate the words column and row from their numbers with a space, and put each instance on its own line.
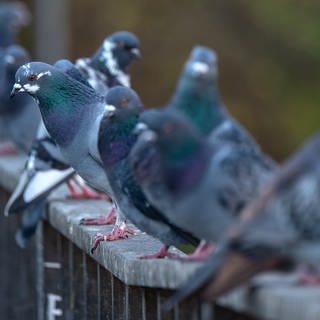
column 116, row 138
column 105, row 62
column 200, row 103
column 64, row 106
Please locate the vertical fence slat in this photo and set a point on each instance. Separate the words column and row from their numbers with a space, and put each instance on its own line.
column 93, row 301
column 106, row 300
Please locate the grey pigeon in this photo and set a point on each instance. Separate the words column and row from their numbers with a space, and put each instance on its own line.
column 116, row 139
column 45, row 170
column 109, row 64
column 19, row 117
column 13, row 16
column 197, row 95
column 71, row 112
column 200, row 187
column 279, row 225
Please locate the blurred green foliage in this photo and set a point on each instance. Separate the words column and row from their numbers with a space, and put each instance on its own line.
column 269, row 56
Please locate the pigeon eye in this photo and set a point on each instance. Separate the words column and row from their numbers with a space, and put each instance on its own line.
column 124, row 102
column 167, row 128
column 32, row 77
column 121, row 44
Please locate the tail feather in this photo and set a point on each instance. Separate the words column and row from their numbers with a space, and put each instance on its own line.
column 29, row 223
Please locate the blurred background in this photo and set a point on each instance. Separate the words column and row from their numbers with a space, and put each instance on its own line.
column 269, row 53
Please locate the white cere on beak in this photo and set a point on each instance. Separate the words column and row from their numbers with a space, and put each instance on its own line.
column 17, row 86
column 110, row 108
column 41, row 74
column 136, row 52
column 200, row 67
column 9, row 58
column 141, row 127
column 149, row 136
column 31, row 88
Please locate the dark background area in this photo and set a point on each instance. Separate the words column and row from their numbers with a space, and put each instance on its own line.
column 269, row 54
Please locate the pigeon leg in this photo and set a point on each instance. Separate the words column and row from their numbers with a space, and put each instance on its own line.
column 109, row 218
column 119, row 231
column 201, row 253
column 85, row 193
column 162, row 253
column 7, row 148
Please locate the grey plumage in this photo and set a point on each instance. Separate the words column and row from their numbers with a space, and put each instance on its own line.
column 116, row 138
column 280, row 224
column 199, row 186
column 71, row 112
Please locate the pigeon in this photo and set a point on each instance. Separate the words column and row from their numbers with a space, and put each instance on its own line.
column 13, row 16
column 71, row 112
column 108, row 66
column 279, row 225
column 199, row 186
column 45, row 170
column 196, row 94
column 19, row 118
column 116, row 139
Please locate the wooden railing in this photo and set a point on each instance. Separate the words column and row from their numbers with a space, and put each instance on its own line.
column 56, row 278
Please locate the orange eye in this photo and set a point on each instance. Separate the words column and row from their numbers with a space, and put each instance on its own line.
column 124, row 102
column 167, row 128
column 32, row 77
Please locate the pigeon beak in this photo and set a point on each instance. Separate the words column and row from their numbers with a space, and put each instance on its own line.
column 9, row 59
column 140, row 127
column 110, row 110
column 136, row 53
column 17, row 87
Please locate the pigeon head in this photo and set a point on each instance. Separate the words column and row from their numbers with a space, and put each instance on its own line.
column 197, row 95
column 13, row 16
column 51, row 87
column 170, row 145
column 30, row 76
column 115, row 134
column 14, row 56
column 201, row 65
column 121, row 100
column 117, row 52
column 170, row 132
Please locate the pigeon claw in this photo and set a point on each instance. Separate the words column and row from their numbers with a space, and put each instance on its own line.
column 162, row 253
column 7, row 148
column 102, row 220
column 118, row 232
column 201, row 253
column 84, row 193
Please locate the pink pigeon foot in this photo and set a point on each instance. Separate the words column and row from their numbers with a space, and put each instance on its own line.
column 7, row 148
column 118, row 232
column 309, row 278
column 200, row 254
column 162, row 253
column 102, row 220
column 84, row 193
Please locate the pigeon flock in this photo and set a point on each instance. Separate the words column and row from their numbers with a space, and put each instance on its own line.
column 185, row 173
